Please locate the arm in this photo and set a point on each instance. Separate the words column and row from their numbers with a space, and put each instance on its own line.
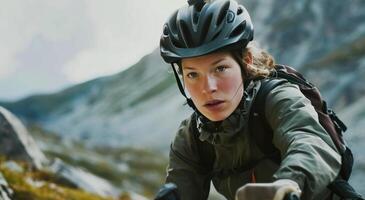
column 185, row 169
column 308, row 153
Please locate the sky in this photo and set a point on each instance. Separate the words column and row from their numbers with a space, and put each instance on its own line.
column 46, row 46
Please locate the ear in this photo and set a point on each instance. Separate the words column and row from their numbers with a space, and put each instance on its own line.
column 248, row 58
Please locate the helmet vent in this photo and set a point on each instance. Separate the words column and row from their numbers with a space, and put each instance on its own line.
column 239, row 10
column 205, row 28
column 165, row 30
column 216, row 35
column 222, row 12
column 176, row 43
column 185, row 34
column 195, row 2
column 172, row 22
column 196, row 13
column 198, row 7
column 238, row 30
column 195, row 18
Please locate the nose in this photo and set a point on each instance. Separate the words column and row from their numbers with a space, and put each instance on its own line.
column 210, row 85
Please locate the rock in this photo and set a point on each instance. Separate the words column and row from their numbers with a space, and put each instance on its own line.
column 16, row 143
column 82, row 179
column 13, row 166
column 5, row 191
column 79, row 178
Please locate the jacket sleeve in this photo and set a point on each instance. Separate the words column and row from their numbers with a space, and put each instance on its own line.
column 185, row 168
column 309, row 156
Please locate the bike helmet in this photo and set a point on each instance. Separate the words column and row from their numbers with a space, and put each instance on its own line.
column 202, row 28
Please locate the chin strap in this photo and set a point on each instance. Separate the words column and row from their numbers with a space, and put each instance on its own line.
column 181, row 88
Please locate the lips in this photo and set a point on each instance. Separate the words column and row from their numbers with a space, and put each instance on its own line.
column 214, row 104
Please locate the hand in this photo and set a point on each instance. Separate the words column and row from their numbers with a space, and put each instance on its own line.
column 268, row 191
column 168, row 192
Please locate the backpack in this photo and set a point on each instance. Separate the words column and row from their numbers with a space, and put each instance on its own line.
column 327, row 118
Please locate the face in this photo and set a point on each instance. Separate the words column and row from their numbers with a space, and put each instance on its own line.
column 214, row 83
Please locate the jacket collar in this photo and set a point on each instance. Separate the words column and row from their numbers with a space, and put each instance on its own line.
column 224, row 132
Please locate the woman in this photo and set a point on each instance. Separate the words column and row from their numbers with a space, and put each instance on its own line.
column 210, row 45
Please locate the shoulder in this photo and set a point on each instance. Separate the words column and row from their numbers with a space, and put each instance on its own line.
column 185, row 137
column 287, row 105
column 188, row 149
column 287, row 95
column 187, row 127
column 278, row 94
column 284, row 90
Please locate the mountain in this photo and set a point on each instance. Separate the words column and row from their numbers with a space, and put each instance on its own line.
column 137, row 106
column 141, row 106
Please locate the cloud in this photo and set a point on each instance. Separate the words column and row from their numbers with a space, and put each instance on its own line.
column 37, row 38
column 74, row 40
column 124, row 32
column 5, row 71
column 21, row 20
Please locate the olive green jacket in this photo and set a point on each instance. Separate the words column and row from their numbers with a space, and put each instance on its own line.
column 308, row 154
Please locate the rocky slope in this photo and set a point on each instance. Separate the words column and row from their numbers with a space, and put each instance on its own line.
column 324, row 39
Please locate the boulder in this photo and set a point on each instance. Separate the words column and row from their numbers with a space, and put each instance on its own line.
column 5, row 191
column 86, row 181
column 16, row 143
column 82, row 179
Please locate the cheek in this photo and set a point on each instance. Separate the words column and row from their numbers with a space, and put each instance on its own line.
column 193, row 90
column 230, row 85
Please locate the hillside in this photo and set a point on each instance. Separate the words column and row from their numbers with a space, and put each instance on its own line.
column 141, row 106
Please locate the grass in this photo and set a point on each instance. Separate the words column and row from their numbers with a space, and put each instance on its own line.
column 141, row 164
column 145, row 169
column 49, row 189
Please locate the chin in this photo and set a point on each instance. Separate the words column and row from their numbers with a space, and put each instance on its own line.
column 216, row 118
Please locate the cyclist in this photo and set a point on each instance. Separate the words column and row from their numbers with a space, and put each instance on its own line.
column 217, row 65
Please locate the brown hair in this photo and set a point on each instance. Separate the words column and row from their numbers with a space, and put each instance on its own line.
column 262, row 62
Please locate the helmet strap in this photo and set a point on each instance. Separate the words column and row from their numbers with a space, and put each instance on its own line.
column 181, row 88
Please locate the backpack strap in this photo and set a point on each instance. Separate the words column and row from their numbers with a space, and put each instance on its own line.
column 343, row 189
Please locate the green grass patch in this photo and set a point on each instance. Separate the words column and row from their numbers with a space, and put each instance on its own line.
column 48, row 190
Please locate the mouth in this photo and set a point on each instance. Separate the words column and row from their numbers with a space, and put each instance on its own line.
column 213, row 104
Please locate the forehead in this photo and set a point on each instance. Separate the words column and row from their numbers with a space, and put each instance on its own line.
column 205, row 60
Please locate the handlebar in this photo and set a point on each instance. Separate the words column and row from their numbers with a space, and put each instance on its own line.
column 169, row 192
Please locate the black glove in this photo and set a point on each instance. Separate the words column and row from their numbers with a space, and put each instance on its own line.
column 168, row 192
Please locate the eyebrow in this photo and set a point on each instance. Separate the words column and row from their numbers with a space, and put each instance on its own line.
column 217, row 61
column 213, row 63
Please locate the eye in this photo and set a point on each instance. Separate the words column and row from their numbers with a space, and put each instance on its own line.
column 221, row 68
column 192, row 75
